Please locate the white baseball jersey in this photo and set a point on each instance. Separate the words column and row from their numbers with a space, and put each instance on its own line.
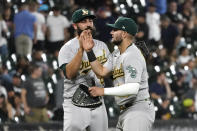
column 130, row 67
column 79, row 118
column 85, row 74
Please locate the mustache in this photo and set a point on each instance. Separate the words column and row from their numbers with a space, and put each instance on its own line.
column 92, row 29
column 89, row 28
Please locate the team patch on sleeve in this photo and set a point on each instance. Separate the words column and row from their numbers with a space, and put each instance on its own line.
column 132, row 71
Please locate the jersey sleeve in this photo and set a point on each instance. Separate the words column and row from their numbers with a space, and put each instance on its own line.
column 66, row 23
column 25, row 85
column 108, row 63
column 133, row 68
column 65, row 55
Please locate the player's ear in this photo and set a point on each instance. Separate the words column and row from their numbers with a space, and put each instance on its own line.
column 74, row 26
column 124, row 34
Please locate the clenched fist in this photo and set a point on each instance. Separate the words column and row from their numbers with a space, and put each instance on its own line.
column 96, row 91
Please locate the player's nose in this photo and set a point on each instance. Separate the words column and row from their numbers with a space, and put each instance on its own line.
column 112, row 32
column 89, row 23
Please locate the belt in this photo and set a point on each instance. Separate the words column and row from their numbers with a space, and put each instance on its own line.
column 127, row 105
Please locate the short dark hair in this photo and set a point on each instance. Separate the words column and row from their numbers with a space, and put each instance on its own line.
column 164, row 18
column 160, row 73
column 182, row 49
column 33, row 67
column 17, row 75
column 56, row 8
column 21, row 4
column 152, row 4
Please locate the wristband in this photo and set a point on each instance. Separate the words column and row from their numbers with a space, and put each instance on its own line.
column 91, row 56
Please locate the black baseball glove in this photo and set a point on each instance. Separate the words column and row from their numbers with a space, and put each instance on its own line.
column 82, row 98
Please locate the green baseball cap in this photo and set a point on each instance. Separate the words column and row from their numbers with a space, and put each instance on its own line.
column 81, row 14
column 125, row 24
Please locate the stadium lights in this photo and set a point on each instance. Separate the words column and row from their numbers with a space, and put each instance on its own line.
column 40, row 1
column 173, row 112
column 115, row 1
column 55, row 65
column 8, row 64
column 49, row 86
column 130, row 3
column 54, row 78
column 15, row 9
column 13, row 56
column 8, row 1
column 122, row 6
column 23, row 1
column 159, row 100
column 189, row 46
column 175, row 99
column 111, row 111
column 157, row 68
column 16, row 119
column 156, row 108
column 154, row 54
column 51, row 2
column 168, row 74
column 160, row 46
column 171, row 107
column 124, row 11
column 172, row 68
column 29, row 57
column 117, row 8
column 23, row 78
column 115, row 47
column 51, row 13
column 136, row 9
column 195, row 116
column 186, row 68
column 143, row 3
column 169, row 80
column 44, row 57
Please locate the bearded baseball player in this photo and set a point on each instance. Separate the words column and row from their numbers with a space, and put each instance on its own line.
column 81, row 111
column 130, row 76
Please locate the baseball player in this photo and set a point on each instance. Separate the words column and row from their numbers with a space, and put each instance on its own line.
column 130, row 76
column 74, row 62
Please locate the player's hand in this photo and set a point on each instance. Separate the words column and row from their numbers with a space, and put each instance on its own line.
column 27, row 109
column 89, row 43
column 35, row 41
column 96, row 91
column 81, row 39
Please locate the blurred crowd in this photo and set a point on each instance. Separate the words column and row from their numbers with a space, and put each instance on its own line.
column 31, row 34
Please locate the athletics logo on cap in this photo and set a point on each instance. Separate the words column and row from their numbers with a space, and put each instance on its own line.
column 81, row 14
column 85, row 12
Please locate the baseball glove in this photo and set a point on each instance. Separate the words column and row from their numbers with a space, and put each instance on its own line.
column 82, row 98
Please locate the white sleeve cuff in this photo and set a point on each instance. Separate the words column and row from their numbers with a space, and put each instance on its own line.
column 123, row 90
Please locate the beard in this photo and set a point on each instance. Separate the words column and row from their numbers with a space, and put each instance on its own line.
column 117, row 41
column 92, row 29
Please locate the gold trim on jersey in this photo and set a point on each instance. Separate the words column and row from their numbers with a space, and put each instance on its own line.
column 118, row 72
column 85, row 65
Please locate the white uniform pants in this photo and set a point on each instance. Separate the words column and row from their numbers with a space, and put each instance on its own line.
column 139, row 117
column 84, row 119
